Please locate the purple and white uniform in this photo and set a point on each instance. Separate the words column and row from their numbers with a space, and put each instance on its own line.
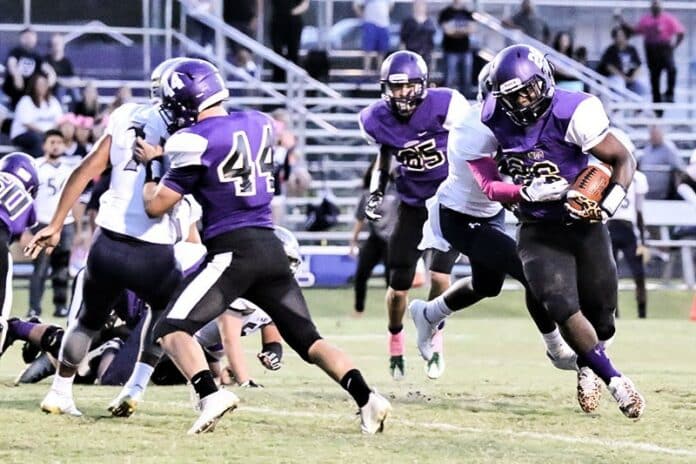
column 419, row 143
column 16, row 206
column 554, row 147
column 226, row 162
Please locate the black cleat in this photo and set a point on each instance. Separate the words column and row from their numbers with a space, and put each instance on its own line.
column 61, row 312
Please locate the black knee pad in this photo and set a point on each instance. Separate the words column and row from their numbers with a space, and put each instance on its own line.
column 605, row 326
column 487, row 289
column 401, row 278
column 302, row 340
column 559, row 308
column 51, row 340
column 166, row 326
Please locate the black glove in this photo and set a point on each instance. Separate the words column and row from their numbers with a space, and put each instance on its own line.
column 154, row 170
column 271, row 355
column 372, row 205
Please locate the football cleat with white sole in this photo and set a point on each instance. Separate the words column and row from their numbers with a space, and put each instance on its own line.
column 435, row 367
column 38, row 370
column 589, row 389
column 374, row 413
column 212, row 408
column 125, row 404
column 397, row 367
column 424, row 329
column 631, row 402
column 59, row 403
column 564, row 359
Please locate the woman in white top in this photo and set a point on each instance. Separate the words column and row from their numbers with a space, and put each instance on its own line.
column 36, row 112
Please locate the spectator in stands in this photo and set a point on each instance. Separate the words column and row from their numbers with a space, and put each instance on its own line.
column 286, row 31
column 89, row 104
column 621, row 63
column 52, row 176
column 67, row 126
column 373, row 250
column 662, row 165
column 529, row 22
column 35, row 113
column 242, row 15
column 622, row 226
column 124, row 94
column 418, row 32
column 64, row 89
column 563, row 44
column 84, row 131
column 375, row 30
column 457, row 26
column 22, row 64
column 663, row 33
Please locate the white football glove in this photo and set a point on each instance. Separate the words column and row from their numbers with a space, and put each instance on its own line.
column 373, row 203
column 540, row 190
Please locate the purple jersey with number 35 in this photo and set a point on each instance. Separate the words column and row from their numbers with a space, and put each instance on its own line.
column 418, row 144
column 226, row 162
column 16, row 206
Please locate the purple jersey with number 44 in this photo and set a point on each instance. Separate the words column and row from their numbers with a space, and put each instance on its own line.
column 16, row 206
column 226, row 162
column 419, row 143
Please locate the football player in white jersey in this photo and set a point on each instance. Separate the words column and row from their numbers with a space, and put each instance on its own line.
column 461, row 216
column 129, row 251
column 53, row 172
column 622, row 228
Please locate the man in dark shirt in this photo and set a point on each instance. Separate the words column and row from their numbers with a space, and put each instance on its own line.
column 529, row 22
column 22, row 63
column 457, row 25
column 621, row 62
column 63, row 67
column 286, row 31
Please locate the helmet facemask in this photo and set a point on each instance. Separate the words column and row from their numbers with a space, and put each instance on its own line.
column 525, row 103
column 404, row 97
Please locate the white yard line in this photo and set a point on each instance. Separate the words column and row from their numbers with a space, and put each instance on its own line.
column 613, row 444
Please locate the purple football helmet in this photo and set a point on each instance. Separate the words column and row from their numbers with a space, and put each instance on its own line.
column 404, row 81
column 189, row 87
column 484, row 83
column 21, row 166
column 522, row 79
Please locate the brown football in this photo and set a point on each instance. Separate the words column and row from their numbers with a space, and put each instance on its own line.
column 591, row 182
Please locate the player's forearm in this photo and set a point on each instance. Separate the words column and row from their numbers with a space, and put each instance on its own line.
column 486, row 174
column 380, row 174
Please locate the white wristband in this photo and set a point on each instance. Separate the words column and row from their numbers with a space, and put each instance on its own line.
column 613, row 199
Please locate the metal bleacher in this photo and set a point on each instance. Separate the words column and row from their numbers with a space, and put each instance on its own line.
column 324, row 116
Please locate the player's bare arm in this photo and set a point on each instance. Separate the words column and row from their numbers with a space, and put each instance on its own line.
column 91, row 166
column 159, row 198
column 613, row 152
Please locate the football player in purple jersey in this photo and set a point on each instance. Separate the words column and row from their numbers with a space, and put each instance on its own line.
column 410, row 124
column 225, row 160
column 544, row 132
column 19, row 182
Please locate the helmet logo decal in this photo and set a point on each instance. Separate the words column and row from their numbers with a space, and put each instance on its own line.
column 23, row 174
column 537, row 58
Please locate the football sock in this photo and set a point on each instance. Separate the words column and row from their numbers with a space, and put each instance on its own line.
column 597, row 360
column 396, row 329
column 554, row 342
column 204, row 383
column 20, row 329
column 354, row 383
column 396, row 343
column 437, row 310
column 140, row 376
column 63, row 385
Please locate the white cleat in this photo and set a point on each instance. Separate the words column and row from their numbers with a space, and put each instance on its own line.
column 564, row 358
column 589, row 389
column 626, row 394
column 374, row 413
column 125, row 404
column 212, row 408
column 59, row 403
column 435, row 367
column 424, row 329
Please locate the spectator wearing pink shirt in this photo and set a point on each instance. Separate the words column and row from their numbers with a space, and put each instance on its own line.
column 663, row 33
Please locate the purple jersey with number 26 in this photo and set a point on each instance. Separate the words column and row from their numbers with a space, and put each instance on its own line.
column 16, row 206
column 226, row 162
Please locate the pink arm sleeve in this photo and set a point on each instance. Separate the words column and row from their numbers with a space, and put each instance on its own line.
column 486, row 174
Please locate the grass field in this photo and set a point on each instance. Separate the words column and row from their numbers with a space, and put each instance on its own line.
column 500, row 400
